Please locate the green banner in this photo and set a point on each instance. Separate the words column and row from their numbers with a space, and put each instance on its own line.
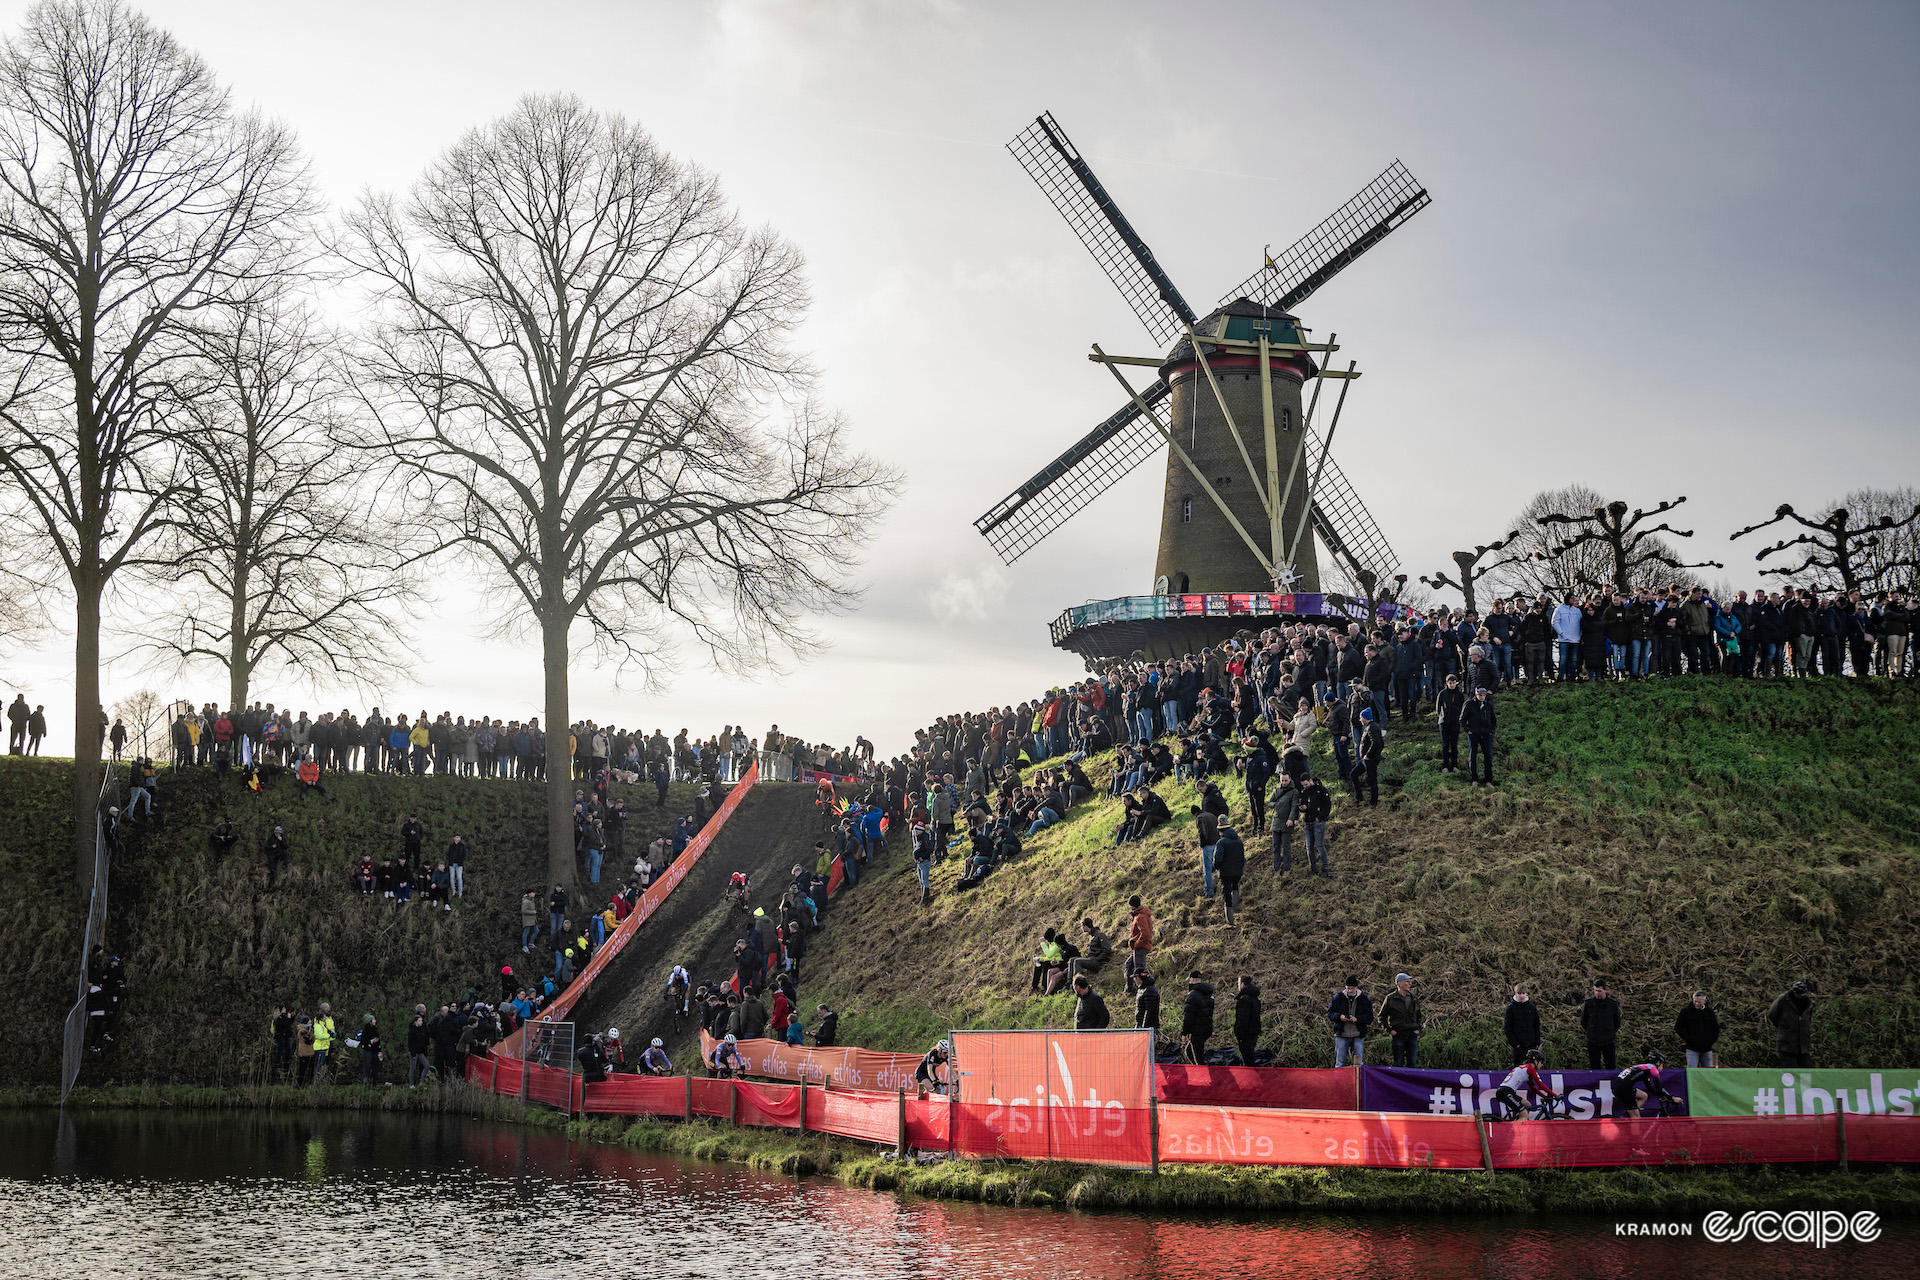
column 1800, row 1091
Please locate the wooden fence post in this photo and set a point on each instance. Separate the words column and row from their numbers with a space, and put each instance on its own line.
column 1486, row 1148
column 733, row 1102
column 689, row 1095
column 803, row 1105
column 524, row 1072
column 493, row 1074
column 1840, row 1120
column 900, row 1141
column 1153, row 1129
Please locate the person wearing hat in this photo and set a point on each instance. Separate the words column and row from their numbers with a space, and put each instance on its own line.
column 1400, row 1015
column 1481, row 722
column 1792, row 1017
column 1370, row 745
column 1351, row 1013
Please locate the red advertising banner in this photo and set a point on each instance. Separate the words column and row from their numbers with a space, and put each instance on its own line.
column 872, row 1117
column 773, row 1106
column 638, row 1096
column 1374, row 1139
column 650, row 901
column 1547, row 1144
column 848, row 1068
column 1889, row 1139
column 1304, row 1088
column 713, row 1097
column 1055, row 1095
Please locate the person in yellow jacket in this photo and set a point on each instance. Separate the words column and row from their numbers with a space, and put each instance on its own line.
column 419, row 737
column 324, row 1035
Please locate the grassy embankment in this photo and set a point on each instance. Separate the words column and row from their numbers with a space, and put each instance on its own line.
column 210, row 947
column 1892, row 1192
column 1730, row 836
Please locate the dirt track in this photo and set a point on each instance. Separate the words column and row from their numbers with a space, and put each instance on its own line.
column 774, row 827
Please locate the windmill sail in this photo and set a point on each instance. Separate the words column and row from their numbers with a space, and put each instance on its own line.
column 1342, row 236
column 1052, row 162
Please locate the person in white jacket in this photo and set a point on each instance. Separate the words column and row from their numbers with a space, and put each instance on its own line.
column 1566, row 628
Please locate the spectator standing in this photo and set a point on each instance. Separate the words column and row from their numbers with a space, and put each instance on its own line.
column 1698, row 1028
column 1400, row 1014
column 1521, row 1022
column 1139, row 939
column 1208, row 827
column 1146, row 1005
column 1481, row 723
column 457, row 866
column 1196, row 1018
column 1351, row 1013
column 1230, row 861
column 529, row 921
column 557, row 914
column 1089, row 1010
column 1600, row 1019
column 276, row 851
column 17, row 714
column 1792, row 1017
column 1246, row 1018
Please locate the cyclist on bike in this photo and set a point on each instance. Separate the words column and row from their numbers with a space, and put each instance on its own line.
column 930, row 1074
column 677, row 984
column 654, row 1061
column 739, row 889
column 1525, row 1076
column 1644, row 1079
column 727, row 1061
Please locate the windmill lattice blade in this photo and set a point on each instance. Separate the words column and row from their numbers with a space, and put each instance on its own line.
column 1348, row 232
column 1051, row 161
column 1075, row 478
column 1343, row 522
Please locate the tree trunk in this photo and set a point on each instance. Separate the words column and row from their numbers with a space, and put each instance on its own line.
column 86, row 725
column 239, row 669
column 560, row 856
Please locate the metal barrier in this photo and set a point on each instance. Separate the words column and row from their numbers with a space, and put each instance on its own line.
column 73, row 1047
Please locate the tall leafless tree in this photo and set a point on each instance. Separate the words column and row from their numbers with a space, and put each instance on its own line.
column 132, row 196
column 1631, row 551
column 588, row 358
column 1471, row 570
column 278, row 550
column 1864, row 542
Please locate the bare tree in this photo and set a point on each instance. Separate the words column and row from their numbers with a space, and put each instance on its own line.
column 278, row 550
column 587, row 357
column 132, row 196
column 1471, row 570
column 1631, row 551
column 1864, row 542
column 1542, row 560
column 145, row 716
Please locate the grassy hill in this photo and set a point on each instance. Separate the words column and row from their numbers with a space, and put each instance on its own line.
column 1730, row 836
column 210, row 947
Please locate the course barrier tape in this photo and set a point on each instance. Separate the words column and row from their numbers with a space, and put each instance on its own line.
column 650, row 901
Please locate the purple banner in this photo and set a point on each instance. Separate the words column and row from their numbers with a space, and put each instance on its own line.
column 1590, row 1095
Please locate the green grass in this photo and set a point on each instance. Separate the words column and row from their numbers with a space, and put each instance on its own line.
column 1726, row 835
column 210, row 948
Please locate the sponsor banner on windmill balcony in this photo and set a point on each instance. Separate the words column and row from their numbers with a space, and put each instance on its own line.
column 1252, row 604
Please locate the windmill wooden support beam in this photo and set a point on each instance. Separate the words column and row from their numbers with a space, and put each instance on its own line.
column 1326, row 451
column 1284, row 554
column 1253, row 473
column 1205, row 484
column 1277, row 503
column 1145, row 362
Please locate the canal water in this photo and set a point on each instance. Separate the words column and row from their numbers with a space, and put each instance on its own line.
column 215, row 1195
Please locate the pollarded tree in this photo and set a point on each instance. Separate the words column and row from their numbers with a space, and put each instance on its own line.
column 1471, row 570
column 1859, row 543
column 1631, row 549
column 586, row 356
column 132, row 197
column 279, row 551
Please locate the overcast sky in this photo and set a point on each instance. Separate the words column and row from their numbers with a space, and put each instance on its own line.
column 1671, row 250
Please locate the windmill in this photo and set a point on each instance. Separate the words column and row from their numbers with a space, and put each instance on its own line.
column 1227, row 398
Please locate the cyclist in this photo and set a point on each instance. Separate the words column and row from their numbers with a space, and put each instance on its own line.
column 727, row 1061
column 739, row 889
column 930, row 1074
column 654, row 1061
column 1644, row 1079
column 677, row 984
column 1525, row 1076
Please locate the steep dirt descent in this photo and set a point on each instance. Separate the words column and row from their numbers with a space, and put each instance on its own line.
column 774, row 827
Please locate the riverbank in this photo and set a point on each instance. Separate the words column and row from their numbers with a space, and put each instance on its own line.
column 1892, row 1192
column 1232, row 1188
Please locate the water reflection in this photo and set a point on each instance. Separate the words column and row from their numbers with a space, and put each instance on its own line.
column 244, row 1195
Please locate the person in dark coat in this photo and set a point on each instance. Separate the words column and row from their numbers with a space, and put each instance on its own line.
column 1792, row 1017
column 1089, row 1010
column 1351, row 1013
column 1230, row 863
column 1698, row 1028
column 1600, row 1019
column 1246, row 1018
column 1196, row 1018
column 1522, row 1024
column 1146, row 1003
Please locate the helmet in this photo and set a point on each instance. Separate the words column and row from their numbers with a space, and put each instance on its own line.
column 1534, row 1055
column 658, row 1043
column 944, row 1046
column 732, row 1039
column 613, row 1033
column 1657, row 1058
